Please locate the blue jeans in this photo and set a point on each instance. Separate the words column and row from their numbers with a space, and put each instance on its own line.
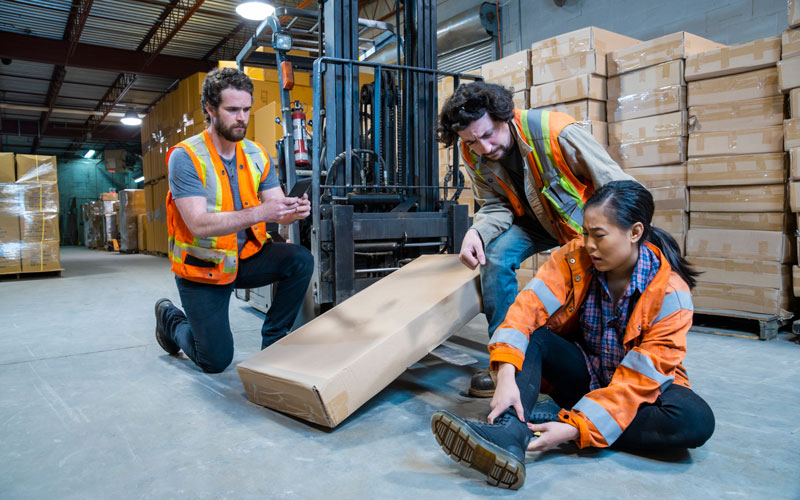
column 204, row 331
column 498, row 277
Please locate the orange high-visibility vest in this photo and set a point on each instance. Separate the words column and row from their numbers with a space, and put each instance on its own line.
column 215, row 259
column 561, row 193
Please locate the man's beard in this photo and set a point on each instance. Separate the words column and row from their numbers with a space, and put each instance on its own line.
column 228, row 132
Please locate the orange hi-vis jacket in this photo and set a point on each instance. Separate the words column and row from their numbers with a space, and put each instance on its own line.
column 562, row 195
column 215, row 260
column 654, row 341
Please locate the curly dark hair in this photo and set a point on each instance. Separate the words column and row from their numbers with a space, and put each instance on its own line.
column 470, row 102
column 220, row 79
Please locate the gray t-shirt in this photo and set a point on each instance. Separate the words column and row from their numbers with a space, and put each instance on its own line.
column 184, row 181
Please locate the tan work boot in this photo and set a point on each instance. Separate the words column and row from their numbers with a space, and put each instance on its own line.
column 483, row 383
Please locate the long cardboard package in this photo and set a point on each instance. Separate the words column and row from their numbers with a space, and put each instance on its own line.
column 789, row 74
column 668, row 151
column 740, row 244
column 746, row 272
column 751, row 113
column 36, row 168
column 794, row 196
column 522, row 99
column 794, row 103
column 589, row 38
column 670, row 197
column 550, row 69
column 796, row 280
column 9, row 228
column 599, row 130
column 794, row 12
column 745, row 221
column 791, row 133
column 747, row 56
column 672, row 221
column 8, row 168
column 569, row 89
column 745, row 142
column 647, row 79
column 648, row 128
column 328, row 368
column 733, row 88
column 512, row 71
column 794, row 164
column 653, row 177
column 666, row 48
column 790, row 44
column 766, row 198
column 736, row 170
column 653, row 102
column 722, row 297
column 586, row 109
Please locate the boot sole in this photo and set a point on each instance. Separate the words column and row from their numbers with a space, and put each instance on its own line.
column 481, row 393
column 175, row 349
column 469, row 449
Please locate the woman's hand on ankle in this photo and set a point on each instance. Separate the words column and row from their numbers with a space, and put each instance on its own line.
column 551, row 435
column 506, row 394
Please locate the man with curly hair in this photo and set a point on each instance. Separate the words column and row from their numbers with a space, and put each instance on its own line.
column 531, row 172
column 223, row 189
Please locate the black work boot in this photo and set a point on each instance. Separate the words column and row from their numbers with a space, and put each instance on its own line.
column 545, row 410
column 163, row 339
column 496, row 450
column 483, row 383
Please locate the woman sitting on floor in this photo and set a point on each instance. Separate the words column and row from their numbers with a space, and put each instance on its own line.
column 603, row 325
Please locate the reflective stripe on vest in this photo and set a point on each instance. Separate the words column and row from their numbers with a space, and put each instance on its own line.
column 559, row 191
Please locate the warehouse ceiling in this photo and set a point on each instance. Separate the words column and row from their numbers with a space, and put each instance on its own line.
column 70, row 69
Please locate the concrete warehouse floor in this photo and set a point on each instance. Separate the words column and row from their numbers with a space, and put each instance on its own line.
column 91, row 407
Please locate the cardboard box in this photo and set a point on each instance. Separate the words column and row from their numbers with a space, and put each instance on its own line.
column 790, row 44
column 7, row 168
column 38, row 227
column 522, row 99
column 745, row 221
column 752, row 113
column 722, row 297
column 39, row 197
column 599, row 131
column 649, row 128
column 733, row 88
column 586, row 109
column 670, row 198
column 740, row 244
column 131, row 205
column 662, row 75
column 10, row 251
column 513, row 72
column 267, row 132
column 653, row 102
column 737, row 170
column 668, row 151
column 749, row 56
column 794, row 103
column 653, row 177
column 36, row 168
column 666, row 48
column 589, row 38
column 141, row 232
column 796, row 280
column 794, row 13
column 680, row 239
column 791, row 133
column 110, row 196
column 671, row 221
column 794, row 163
column 789, row 74
column 569, row 89
column 745, row 142
column 794, row 196
column 745, row 272
column 326, row 369
column 550, row 69
column 40, row 256
column 767, row 198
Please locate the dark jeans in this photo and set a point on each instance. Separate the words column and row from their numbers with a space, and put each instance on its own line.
column 204, row 331
column 678, row 419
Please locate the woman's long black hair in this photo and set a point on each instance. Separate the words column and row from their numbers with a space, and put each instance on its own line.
column 630, row 202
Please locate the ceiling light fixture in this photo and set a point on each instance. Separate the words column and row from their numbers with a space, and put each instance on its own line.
column 89, row 154
column 131, row 118
column 138, row 179
column 255, row 10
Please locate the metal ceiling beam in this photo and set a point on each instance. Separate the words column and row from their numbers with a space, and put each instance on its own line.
column 50, row 51
column 57, row 130
column 177, row 13
column 118, row 89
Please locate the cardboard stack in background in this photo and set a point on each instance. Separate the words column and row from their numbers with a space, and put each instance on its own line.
column 512, row 72
column 37, row 187
column 92, row 214
column 737, row 180
column 110, row 203
column 569, row 75
column 789, row 83
column 131, row 205
column 445, row 89
column 10, row 206
column 647, row 117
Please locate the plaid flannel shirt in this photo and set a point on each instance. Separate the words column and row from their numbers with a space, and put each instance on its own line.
column 604, row 325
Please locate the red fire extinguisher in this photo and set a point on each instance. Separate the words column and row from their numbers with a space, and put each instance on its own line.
column 301, row 157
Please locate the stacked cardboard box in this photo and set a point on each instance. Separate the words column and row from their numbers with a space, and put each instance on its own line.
column 447, row 156
column 648, row 123
column 737, row 180
column 37, row 181
column 789, row 82
column 92, row 224
column 512, row 72
column 131, row 205
column 10, row 205
column 156, row 238
column 569, row 75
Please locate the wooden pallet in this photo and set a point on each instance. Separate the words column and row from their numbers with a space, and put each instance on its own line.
column 739, row 324
column 154, row 253
column 31, row 275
